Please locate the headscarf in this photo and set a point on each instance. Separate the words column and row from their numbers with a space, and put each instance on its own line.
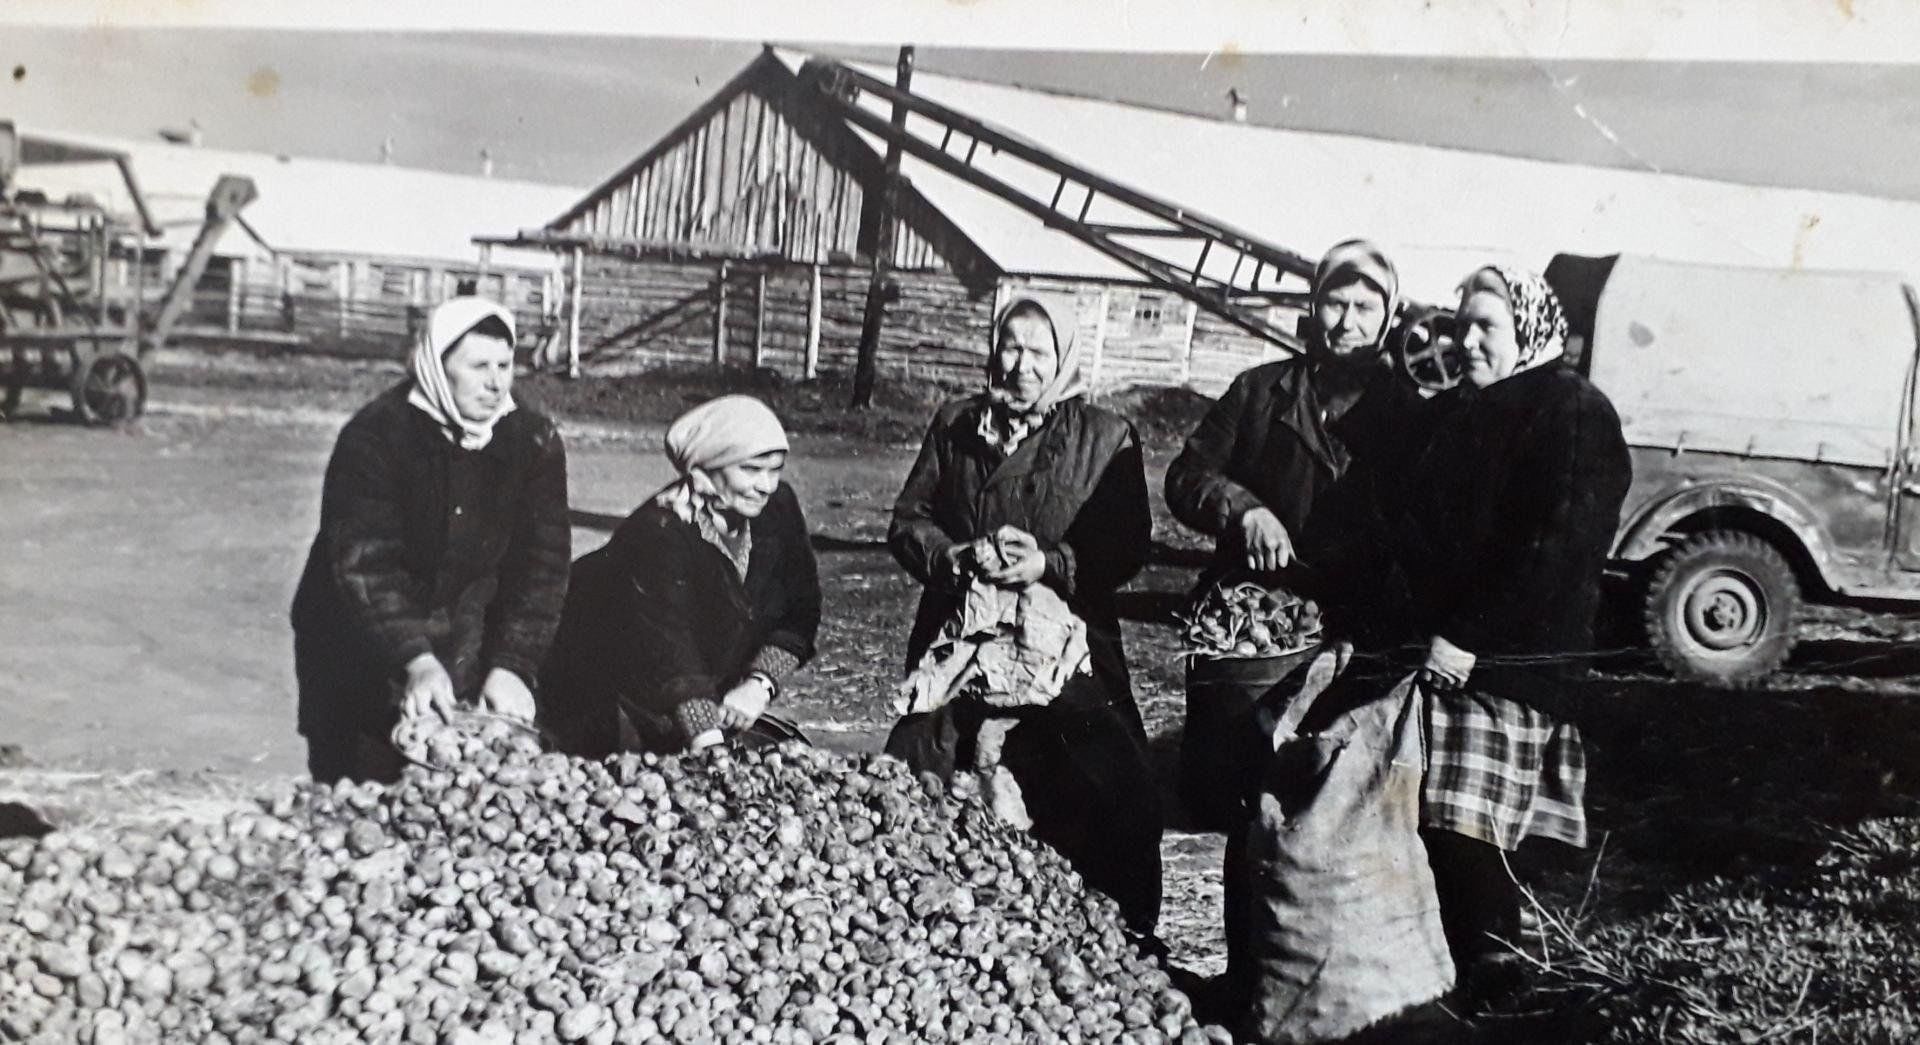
column 1002, row 425
column 713, row 435
column 1355, row 257
column 450, row 321
column 1539, row 325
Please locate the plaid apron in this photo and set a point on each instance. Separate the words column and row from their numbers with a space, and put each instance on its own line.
column 1499, row 771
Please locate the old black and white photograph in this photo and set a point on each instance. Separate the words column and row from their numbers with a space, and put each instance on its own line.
column 831, row 523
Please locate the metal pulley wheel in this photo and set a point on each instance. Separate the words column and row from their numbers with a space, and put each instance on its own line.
column 108, row 388
column 1425, row 351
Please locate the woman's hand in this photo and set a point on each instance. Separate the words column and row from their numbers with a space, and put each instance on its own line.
column 428, row 689
column 505, row 693
column 1022, row 561
column 1269, row 548
column 1447, row 666
column 745, row 703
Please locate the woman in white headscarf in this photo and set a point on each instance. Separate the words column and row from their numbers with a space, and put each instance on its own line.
column 440, row 565
column 1026, row 483
column 680, row 631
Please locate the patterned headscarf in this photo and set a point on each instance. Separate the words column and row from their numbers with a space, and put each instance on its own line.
column 1539, row 326
column 452, row 320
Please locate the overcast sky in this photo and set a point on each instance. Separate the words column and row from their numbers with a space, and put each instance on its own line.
column 571, row 110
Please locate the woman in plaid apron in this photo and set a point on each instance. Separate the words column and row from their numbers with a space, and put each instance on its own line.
column 1503, row 532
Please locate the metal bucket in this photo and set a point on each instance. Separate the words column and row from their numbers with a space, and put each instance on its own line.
column 1222, row 746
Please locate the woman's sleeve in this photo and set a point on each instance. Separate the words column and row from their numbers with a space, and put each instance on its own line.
column 791, row 637
column 1559, row 517
column 366, row 544
column 917, row 540
column 655, row 656
column 1112, row 534
column 533, row 574
column 1198, row 490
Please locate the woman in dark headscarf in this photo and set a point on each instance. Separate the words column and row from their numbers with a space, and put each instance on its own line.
column 682, row 628
column 1027, row 484
column 441, row 562
column 1503, row 532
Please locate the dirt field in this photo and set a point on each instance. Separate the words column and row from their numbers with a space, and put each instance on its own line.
column 144, row 599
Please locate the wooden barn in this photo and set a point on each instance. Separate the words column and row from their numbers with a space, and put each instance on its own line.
column 744, row 236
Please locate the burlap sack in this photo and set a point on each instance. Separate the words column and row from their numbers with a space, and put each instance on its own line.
column 1345, row 922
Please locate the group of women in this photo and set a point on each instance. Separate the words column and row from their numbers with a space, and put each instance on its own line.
column 1471, row 526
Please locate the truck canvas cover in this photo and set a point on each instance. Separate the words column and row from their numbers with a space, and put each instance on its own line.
column 1758, row 362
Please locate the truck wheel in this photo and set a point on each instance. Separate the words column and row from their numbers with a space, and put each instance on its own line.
column 1720, row 608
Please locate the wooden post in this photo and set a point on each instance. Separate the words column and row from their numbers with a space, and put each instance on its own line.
column 760, row 320
column 1099, row 341
column 720, row 318
column 813, row 324
column 343, row 284
column 236, row 287
column 1186, row 358
column 867, row 363
column 573, row 314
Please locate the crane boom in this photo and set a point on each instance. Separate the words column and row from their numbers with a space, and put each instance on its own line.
column 1154, row 240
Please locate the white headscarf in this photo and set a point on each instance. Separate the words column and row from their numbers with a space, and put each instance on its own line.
column 713, row 435
column 450, row 321
column 1002, row 425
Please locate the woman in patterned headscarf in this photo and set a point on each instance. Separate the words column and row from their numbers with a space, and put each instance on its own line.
column 681, row 631
column 441, row 560
column 1506, row 524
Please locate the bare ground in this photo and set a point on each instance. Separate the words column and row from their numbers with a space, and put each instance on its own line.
column 143, row 608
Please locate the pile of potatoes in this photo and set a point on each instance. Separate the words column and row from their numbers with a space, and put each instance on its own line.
column 774, row 895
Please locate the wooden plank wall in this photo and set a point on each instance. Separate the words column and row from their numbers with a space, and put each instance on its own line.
column 368, row 306
column 749, row 178
column 636, row 315
column 1221, row 351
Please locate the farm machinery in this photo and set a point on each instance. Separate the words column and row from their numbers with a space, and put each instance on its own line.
column 66, row 323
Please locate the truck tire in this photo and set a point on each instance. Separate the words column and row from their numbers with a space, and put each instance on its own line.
column 1720, row 609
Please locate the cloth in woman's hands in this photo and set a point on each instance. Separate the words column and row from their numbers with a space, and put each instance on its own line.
column 1011, row 647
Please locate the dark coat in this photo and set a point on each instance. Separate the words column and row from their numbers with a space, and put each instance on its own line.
column 1505, row 526
column 1077, row 484
column 427, row 548
column 1264, row 444
column 659, row 617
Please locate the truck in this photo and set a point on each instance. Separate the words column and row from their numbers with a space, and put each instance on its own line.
column 1775, row 436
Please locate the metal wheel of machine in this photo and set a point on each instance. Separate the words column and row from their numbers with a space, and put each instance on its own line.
column 1720, row 608
column 109, row 388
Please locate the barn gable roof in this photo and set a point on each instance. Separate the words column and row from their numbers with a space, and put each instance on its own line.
column 726, row 181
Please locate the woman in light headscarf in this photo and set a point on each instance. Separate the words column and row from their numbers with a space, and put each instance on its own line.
column 1502, row 532
column 441, row 562
column 680, row 631
column 1022, row 484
